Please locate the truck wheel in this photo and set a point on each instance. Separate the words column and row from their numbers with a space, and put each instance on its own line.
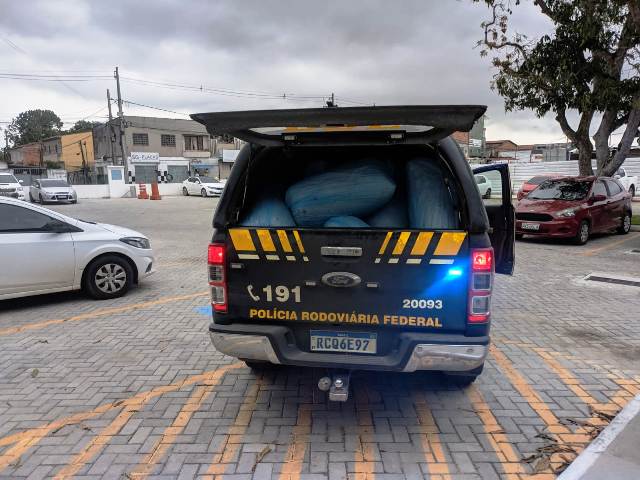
column 582, row 236
column 625, row 227
column 464, row 379
column 257, row 365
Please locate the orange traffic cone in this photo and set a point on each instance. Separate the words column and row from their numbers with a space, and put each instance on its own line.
column 155, row 193
column 142, row 194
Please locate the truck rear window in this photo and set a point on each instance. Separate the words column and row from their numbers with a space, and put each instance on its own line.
column 394, row 187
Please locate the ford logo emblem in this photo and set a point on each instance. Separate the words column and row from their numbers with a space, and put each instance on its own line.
column 341, row 279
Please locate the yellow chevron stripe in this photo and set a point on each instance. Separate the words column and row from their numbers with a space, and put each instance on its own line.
column 450, row 243
column 385, row 243
column 241, row 239
column 284, row 241
column 266, row 241
column 422, row 243
column 401, row 243
column 298, row 241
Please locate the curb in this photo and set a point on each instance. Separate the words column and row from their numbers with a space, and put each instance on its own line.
column 635, row 228
column 583, row 462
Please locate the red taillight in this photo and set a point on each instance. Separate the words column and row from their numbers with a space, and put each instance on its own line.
column 482, row 260
column 216, row 256
column 480, row 285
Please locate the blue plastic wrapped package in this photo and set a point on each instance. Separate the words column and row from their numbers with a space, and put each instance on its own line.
column 392, row 215
column 269, row 211
column 430, row 204
column 345, row 222
column 356, row 189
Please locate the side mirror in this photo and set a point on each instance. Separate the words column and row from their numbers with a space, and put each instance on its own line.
column 20, row 182
column 598, row 198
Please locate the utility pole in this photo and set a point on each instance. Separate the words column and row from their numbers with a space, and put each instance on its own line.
column 123, row 141
column 111, row 133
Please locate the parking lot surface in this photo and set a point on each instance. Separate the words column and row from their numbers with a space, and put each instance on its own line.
column 132, row 388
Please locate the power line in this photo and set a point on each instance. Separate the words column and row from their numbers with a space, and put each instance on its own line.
column 154, row 108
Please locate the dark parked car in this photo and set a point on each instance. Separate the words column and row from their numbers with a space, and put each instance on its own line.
column 574, row 207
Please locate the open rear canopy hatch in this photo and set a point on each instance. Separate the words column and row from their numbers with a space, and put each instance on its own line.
column 313, row 126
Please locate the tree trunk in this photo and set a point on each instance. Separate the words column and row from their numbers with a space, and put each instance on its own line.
column 611, row 166
column 585, row 151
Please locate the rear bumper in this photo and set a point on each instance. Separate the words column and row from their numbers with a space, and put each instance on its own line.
column 417, row 351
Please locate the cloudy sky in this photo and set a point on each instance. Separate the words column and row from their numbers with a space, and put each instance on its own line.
column 248, row 54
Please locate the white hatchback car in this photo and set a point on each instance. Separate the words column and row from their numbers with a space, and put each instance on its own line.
column 43, row 251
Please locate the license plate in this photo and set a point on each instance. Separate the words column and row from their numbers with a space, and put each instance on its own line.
column 531, row 226
column 346, row 342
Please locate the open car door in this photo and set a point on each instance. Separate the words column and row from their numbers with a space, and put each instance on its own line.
column 501, row 213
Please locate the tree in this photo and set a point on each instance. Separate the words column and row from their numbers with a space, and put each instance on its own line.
column 33, row 126
column 83, row 126
column 590, row 63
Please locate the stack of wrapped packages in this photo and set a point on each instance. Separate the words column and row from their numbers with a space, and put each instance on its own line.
column 361, row 194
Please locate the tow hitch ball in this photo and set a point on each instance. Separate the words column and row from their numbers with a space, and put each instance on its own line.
column 337, row 384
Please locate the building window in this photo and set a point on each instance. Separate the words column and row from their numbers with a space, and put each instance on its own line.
column 141, row 139
column 168, row 140
column 193, row 142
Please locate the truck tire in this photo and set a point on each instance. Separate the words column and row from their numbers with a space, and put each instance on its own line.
column 464, row 379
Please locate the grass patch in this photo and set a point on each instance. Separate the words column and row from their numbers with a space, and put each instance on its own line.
column 635, row 220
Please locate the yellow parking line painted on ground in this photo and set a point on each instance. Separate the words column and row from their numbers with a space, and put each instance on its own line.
column 26, row 439
column 96, row 444
column 363, row 466
column 97, row 313
column 232, row 443
column 507, row 456
column 609, row 245
column 170, row 434
column 292, row 466
column 430, row 438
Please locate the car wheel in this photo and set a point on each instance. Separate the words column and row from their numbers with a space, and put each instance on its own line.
column 203, row 193
column 519, row 236
column 582, row 236
column 464, row 379
column 626, row 224
column 185, row 192
column 40, row 199
column 109, row 276
column 487, row 194
column 632, row 191
column 31, row 199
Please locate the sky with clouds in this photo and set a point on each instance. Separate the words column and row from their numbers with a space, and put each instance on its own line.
column 248, row 54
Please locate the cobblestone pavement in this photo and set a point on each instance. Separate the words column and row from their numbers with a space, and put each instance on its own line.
column 131, row 388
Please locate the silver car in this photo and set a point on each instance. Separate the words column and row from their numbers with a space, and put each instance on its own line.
column 52, row 190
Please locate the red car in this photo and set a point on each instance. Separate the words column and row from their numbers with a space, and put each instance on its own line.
column 574, row 207
column 533, row 183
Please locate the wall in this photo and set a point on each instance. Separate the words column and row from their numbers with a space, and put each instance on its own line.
column 521, row 172
column 71, row 153
column 92, row 191
column 27, row 155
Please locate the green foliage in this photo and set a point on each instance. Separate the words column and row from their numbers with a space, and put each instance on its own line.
column 33, row 126
column 83, row 126
column 589, row 62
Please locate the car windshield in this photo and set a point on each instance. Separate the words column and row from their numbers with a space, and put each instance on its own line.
column 561, row 190
column 5, row 178
column 538, row 180
column 207, row 179
column 53, row 183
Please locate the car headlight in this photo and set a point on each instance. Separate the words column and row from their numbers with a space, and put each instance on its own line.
column 19, row 189
column 569, row 212
column 47, row 194
column 138, row 242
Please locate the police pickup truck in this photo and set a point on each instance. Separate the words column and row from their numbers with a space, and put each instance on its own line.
column 345, row 299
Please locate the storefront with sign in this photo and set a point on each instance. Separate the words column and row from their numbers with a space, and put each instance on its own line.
column 149, row 167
